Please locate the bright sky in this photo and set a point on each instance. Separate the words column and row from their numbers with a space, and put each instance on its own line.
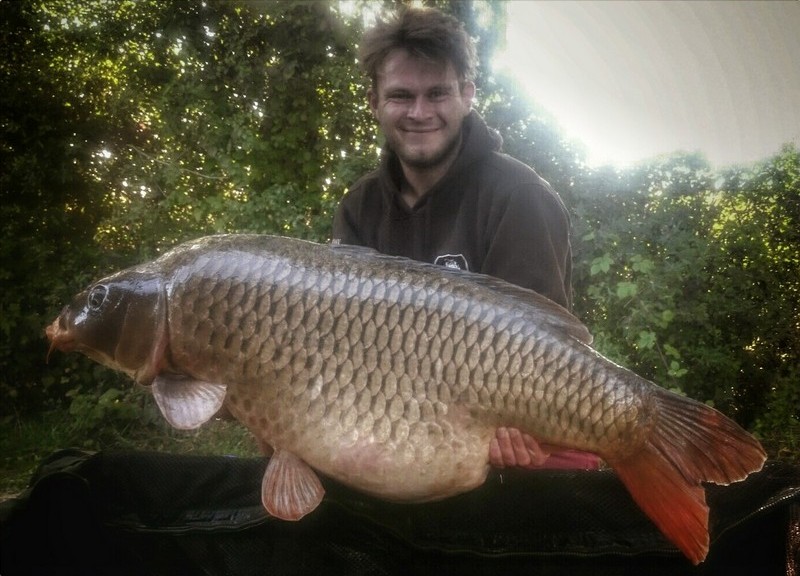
column 632, row 80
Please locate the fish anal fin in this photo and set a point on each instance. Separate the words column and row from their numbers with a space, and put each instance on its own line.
column 689, row 443
column 290, row 488
column 187, row 403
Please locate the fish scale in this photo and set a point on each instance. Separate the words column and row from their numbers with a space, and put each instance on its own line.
column 345, row 332
column 393, row 376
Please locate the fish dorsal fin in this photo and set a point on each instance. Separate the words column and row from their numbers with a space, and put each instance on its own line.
column 532, row 303
column 187, row 403
column 290, row 488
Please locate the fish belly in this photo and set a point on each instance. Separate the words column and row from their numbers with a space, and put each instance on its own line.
column 396, row 449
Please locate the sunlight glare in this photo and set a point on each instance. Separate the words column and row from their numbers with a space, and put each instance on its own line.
column 629, row 85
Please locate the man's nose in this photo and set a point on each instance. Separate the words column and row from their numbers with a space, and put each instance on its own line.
column 420, row 108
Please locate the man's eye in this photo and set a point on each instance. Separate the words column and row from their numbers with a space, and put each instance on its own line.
column 438, row 95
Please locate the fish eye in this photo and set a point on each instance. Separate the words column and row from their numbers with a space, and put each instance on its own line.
column 97, row 296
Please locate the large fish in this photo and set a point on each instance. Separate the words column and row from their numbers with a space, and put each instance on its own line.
column 393, row 376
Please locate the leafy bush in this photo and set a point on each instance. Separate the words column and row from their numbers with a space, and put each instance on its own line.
column 692, row 278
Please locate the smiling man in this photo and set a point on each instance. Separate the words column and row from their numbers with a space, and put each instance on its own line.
column 420, row 106
column 444, row 193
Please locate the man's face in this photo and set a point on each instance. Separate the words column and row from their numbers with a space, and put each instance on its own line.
column 420, row 106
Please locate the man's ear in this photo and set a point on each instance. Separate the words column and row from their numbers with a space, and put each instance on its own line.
column 467, row 93
column 372, row 100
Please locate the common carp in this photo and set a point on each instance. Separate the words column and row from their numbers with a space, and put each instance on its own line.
column 392, row 376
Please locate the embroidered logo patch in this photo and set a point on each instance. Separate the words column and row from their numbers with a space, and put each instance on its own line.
column 456, row 261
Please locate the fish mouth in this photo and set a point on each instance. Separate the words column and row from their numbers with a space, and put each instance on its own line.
column 60, row 338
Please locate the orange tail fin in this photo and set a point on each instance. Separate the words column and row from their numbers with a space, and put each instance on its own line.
column 690, row 443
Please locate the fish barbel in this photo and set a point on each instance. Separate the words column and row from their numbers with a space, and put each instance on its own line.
column 392, row 376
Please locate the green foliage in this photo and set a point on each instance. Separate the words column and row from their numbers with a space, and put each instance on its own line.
column 136, row 125
column 233, row 116
column 97, row 411
column 778, row 424
column 693, row 279
column 48, row 203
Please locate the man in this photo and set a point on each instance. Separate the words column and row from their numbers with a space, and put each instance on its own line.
column 444, row 193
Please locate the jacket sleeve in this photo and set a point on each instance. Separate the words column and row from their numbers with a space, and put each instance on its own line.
column 530, row 244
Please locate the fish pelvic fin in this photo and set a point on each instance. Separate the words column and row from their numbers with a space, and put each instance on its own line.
column 187, row 403
column 689, row 443
column 290, row 488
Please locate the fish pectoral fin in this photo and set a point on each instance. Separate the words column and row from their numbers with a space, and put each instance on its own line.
column 187, row 403
column 290, row 489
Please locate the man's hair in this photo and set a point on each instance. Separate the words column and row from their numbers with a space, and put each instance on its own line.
column 425, row 33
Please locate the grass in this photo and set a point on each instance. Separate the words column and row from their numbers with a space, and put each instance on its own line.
column 26, row 439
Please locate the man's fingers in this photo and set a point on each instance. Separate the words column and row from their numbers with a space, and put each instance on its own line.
column 537, row 456
column 510, row 447
column 495, row 454
column 501, row 450
column 519, row 449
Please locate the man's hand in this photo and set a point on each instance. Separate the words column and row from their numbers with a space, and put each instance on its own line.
column 510, row 447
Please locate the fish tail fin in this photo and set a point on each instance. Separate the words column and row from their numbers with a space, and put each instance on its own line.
column 689, row 443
